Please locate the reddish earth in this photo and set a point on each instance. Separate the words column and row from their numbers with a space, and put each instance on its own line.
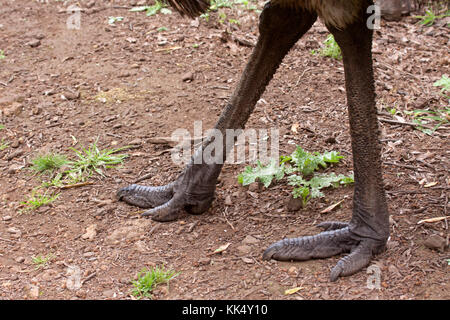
column 139, row 70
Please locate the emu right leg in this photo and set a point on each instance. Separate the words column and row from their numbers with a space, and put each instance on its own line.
column 280, row 28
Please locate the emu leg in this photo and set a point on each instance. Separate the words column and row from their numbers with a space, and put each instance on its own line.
column 368, row 230
column 280, row 28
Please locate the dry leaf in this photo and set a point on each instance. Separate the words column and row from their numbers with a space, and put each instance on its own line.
column 430, row 184
column 222, row 248
column 328, row 209
column 292, row 291
column 429, row 220
column 294, row 127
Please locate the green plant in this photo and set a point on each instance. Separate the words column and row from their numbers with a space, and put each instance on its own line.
column 162, row 29
column 93, row 159
column 444, row 83
column 2, row 55
column 112, row 20
column 424, row 117
column 309, row 189
column 331, row 48
column 147, row 280
column 41, row 261
column 38, row 199
column 48, row 162
column 307, row 185
column 430, row 17
column 3, row 144
column 159, row 6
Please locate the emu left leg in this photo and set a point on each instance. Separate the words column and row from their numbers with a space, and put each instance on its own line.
column 368, row 230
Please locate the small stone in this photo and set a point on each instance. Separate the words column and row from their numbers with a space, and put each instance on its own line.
column 88, row 254
column 244, row 249
column 13, row 230
column 248, row 260
column 435, row 242
column 294, row 204
column 292, row 270
column 109, row 293
column 204, row 261
column 6, row 218
column 69, row 95
column 228, row 201
column 20, row 259
column 250, row 240
column 34, row 43
column 90, row 4
column 253, row 187
column 188, row 76
column 33, row 292
column 91, row 232
column 136, row 141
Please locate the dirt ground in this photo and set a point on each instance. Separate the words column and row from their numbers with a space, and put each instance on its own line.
column 143, row 77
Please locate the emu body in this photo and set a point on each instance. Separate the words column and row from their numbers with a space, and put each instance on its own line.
column 282, row 24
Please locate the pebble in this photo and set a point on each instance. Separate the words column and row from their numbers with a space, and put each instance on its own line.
column 250, row 240
column 6, row 218
column 294, row 204
column 69, row 95
column 136, row 141
column 109, row 293
column 244, row 249
column 33, row 291
column 248, row 260
column 204, row 261
column 435, row 242
column 20, row 259
column 91, row 232
column 188, row 76
column 228, row 201
column 253, row 187
column 34, row 43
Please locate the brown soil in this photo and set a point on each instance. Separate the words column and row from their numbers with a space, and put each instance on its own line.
column 140, row 70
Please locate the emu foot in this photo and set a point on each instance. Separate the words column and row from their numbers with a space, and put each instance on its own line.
column 167, row 202
column 337, row 239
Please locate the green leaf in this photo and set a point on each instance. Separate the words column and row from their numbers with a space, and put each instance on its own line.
column 265, row 174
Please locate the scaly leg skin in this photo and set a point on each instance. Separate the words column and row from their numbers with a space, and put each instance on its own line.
column 280, row 28
column 368, row 230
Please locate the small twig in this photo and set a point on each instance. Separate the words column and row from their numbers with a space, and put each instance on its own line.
column 406, row 123
column 191, row 227
column 7, row 240
column 403, row 166
column 76, row 185
column 89, row 277
column 301, row 76
column 144, row 177
column 154, row 228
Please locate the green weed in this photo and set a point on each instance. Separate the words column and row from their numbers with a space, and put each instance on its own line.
column 41, row 261
column 2, row 55
column 331, row 48
column 48, row 162
column 38, row 199
column 430, row 17
column 147, row 280
column 307, row 184
column 112, row 20
column 159, row 6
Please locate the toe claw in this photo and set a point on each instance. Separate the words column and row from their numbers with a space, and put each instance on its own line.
column 332, row 225
column 359, row 258
column 167, row 212
column 145, row 197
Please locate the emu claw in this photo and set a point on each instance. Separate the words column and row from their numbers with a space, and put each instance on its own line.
column 166, row 202
column 338, row 239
